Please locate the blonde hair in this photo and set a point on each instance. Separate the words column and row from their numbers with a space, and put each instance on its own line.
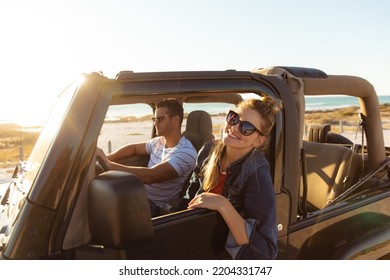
column 267, row 109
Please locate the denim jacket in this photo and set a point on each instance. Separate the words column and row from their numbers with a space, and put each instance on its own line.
column 249, row 188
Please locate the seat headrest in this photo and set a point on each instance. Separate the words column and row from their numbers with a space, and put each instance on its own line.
column 199, row 128
column 199, row 122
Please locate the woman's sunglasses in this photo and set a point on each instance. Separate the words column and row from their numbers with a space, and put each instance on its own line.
column 246, row 128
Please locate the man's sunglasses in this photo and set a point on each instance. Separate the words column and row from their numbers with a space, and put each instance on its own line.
column 246, row 128
column 159, row 119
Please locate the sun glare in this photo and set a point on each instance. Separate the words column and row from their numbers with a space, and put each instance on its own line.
column 30, row 101
column 35, row 67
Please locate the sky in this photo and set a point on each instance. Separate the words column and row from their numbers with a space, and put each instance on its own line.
column 45, row 45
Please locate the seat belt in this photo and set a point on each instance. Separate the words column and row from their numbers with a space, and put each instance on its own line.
column 303, row 206
column 360, row 126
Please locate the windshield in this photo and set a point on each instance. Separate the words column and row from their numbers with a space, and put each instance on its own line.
column 26, row 172
column 37, row 155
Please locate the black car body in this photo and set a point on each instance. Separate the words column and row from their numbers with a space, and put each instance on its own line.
column 59, row 207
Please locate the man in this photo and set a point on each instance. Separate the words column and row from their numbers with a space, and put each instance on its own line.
column 172, row 156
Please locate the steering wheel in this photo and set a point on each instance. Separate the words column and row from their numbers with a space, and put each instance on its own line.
column 102, row 164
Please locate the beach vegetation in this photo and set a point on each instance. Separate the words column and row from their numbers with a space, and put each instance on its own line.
column 12, row 139
column 135, row 134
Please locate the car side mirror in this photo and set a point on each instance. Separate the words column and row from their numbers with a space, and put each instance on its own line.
column 118, row 211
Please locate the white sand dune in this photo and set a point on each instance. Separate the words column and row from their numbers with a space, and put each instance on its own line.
column 119, row 134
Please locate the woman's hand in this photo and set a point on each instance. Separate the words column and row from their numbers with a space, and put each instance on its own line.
column 221, row 204
column 208, row 200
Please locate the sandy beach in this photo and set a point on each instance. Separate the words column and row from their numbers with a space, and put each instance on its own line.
column 117, row 134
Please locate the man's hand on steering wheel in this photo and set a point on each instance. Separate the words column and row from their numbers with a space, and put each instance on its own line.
column 102, row 159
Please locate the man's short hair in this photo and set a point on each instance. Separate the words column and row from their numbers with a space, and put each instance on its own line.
column 174, row 107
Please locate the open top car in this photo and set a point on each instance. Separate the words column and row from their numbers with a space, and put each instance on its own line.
column 333, row 199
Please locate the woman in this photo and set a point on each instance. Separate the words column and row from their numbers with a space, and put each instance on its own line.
column 235, row 180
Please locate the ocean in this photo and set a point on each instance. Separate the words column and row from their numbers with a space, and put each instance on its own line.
column 334, row 102
column 312, row 103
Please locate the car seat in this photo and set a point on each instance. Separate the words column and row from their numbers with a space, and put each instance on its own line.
column 199, row 128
